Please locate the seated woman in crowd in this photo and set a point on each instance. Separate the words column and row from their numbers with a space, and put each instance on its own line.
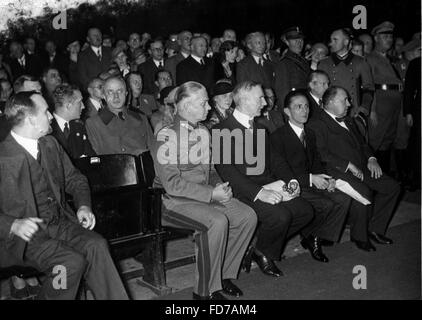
column 225, row 69
column 166, row 109
column 221, row 104
column 135, row 99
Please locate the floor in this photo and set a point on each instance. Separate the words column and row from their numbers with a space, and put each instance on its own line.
column 182, row 277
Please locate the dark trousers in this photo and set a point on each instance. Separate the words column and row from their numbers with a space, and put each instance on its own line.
column 66, row 246
column 383, row 194
column 278, row 223
column 330, row 208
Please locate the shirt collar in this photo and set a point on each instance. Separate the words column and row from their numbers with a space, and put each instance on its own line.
column 334, row 118
column 347, row 59
column 242, row 118
column 157, row 62
column 60, row 121
column 256, row 58
column 197, row 59
column 97, row 105
column 30, row 145
column 96, row 49
column 296, row 129
column 314, row 97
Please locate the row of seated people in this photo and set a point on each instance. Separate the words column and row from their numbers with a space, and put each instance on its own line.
column 224, row 215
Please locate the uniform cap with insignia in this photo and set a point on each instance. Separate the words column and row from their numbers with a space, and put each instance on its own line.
column 385, row 27
column 293, row 33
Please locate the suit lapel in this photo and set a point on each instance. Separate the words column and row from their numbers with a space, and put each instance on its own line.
column 50, row 167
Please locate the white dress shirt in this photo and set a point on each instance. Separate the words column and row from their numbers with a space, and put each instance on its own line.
column 97, row 50
column 257, row 60
column 242, row 118
column 61, row 122
column 315, row 98
column 298, row 131
column 96, row 104
column 157, row 62
column 198, row 59
column 30, row 145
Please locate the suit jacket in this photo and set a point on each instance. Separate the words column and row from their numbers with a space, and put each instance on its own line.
column 190, row 70
column 249, row 70
column 171, row 64
column 77, row 143
column 271, row 120
column 148, row 70
column 291, row 71
column 33, row 67
column 4, row 127
column 338, row 146
column 246, row 186
column 302, row 161
column 89, row 66
column 90, row 109
column 17, row 200
column 314, row 108
column 221, row 74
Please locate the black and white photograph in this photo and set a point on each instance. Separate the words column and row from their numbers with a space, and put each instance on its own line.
column 251, row 152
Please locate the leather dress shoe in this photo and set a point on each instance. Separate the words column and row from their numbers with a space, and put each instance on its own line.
column 312, row 244
column 379, row 238
column 266, row 265
column 366, row 246
column 213, row 296
column 247, row 260
column 230, row 288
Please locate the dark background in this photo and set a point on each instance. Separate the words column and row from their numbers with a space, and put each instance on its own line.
column 162, row 17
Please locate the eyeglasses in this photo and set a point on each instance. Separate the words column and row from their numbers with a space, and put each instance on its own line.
column 111, row 92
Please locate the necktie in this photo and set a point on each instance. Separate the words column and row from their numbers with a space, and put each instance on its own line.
column 202, row 62
column 302, row 138
column 39, row 153
column 260, row 62
column 99, row 54
column 341, row 119
column 66, row 130
column 160, row 65
column 250, row 124
column 320, row 102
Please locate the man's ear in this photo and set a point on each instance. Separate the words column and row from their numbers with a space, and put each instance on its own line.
column 287, row 112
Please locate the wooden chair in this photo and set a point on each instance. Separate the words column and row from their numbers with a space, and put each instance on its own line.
column 128, row 213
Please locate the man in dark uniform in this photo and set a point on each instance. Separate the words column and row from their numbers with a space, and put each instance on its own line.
column 350, row 72
column 37, row 226
column 115, row 129
column 293, row 70
column 388, row 95
column 67, row 127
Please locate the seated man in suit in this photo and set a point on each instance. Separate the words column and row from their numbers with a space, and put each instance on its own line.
column 69, row 131
column 116, row 129
column 37, row 226
column 95, row 101
column 224, row 226
column 280, row 216
column 297, row 145
column 197, row 67
column 348, row 157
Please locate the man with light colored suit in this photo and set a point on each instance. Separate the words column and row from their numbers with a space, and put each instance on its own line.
column 224, row 226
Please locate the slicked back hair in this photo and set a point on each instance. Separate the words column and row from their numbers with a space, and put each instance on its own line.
column 63, row 94
column 19, row 106
column 330, row 94
column 186, row 90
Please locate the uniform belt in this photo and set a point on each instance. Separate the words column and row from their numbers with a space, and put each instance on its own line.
column 385, row 87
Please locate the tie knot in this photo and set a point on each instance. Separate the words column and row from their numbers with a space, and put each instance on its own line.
column 121, row 115
column 251, row 123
